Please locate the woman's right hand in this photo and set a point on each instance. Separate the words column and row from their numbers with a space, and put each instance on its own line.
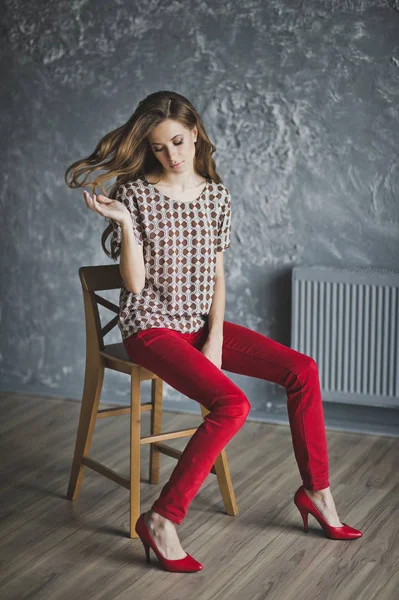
column 106, row 207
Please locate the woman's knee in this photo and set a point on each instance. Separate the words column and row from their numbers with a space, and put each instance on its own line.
column 305, row 368
column 309, row 369
column 308, row 363
column 235, row 405
column 245, row 406
column 242, row 409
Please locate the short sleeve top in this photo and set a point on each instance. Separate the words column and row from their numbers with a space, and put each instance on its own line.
column 180, row 240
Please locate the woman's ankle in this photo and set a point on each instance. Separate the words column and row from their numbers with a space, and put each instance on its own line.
column 157, row 518
column 323, row 493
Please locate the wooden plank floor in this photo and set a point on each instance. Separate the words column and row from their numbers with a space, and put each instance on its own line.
column 51, row 548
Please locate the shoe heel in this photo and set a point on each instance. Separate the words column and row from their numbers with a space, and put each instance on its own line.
column 304, row 515
column 147, row 551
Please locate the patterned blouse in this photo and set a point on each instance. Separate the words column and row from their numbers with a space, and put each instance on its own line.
column 180, row 240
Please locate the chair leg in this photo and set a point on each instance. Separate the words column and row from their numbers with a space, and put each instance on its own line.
column 156, row 427
column 135, row 436
column 94, row 377
column 224, row 478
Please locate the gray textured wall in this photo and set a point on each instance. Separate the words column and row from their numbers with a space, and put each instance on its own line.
column 301, row 100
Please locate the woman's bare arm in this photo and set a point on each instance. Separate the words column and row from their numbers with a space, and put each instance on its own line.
column 131, row 263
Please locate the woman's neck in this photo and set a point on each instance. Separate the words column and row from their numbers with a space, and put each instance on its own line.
column 181, row 182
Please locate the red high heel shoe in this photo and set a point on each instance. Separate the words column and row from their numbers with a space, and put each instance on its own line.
column 187, row 564
column 306, row 506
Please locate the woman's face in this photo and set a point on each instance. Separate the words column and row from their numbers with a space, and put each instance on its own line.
column 173, row 144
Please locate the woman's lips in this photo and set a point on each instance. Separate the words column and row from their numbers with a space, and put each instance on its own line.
column 176, row 165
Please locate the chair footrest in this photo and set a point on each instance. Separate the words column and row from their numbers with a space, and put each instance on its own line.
column 170, row 435
column 109, row 473
column 121, row 410
column 174, row 453
column 124, row 481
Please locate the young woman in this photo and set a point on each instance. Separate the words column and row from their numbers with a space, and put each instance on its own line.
column 170, row 225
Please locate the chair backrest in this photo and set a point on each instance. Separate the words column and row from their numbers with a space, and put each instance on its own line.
column 93, row 280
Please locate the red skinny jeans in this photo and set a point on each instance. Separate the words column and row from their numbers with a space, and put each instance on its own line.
column 176, row 358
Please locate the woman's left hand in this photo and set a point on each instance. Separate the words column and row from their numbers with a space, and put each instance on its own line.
column 212, row 349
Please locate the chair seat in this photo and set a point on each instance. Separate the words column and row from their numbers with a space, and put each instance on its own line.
column 117, row 358
column 117, row 351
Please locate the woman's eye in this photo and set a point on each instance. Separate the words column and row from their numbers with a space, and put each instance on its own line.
column 177, row 144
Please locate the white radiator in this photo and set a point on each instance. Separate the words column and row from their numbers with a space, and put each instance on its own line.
column 347, row 320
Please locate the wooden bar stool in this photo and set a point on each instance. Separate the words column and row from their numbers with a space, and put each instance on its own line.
column 114, row 356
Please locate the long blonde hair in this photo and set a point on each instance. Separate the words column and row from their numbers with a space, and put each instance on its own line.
column 125, row 152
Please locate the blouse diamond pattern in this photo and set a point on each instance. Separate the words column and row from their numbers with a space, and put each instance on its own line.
column 180, row 240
